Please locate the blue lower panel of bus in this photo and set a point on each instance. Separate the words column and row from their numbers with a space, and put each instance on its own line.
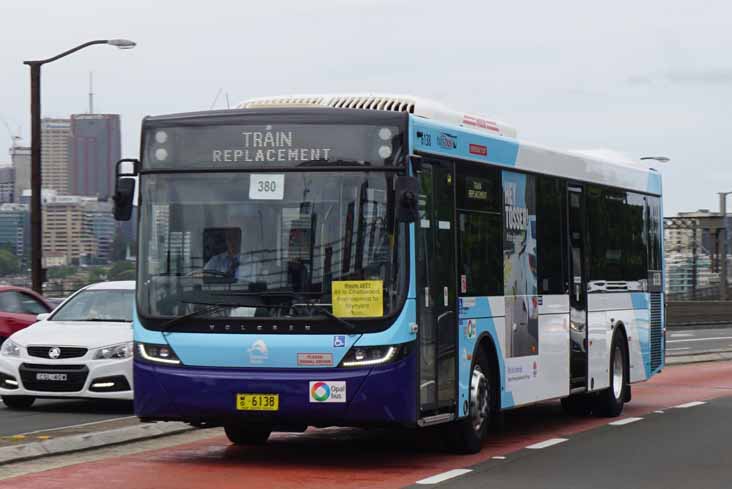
column 385, row 394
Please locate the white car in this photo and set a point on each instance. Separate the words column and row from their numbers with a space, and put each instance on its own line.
column 83, row 349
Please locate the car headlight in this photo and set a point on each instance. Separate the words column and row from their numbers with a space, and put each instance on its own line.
column 10, row 349
column 114, row 352
column 156, row 353
column 369, row 356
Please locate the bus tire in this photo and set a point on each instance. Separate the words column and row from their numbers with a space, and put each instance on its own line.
column 610, row 402
column 467, row 434
column 18, row 402
column 247, row 434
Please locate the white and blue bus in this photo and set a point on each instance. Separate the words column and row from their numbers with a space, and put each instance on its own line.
column 382, row 260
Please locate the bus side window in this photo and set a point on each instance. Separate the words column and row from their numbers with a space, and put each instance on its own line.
column 550, row 234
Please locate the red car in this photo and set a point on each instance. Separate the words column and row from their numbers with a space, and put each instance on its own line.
column 19, row 308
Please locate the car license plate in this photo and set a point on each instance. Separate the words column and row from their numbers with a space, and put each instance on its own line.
column 53, row 377
column 258, row 402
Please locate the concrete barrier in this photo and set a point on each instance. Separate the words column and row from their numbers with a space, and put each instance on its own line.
column 698, row 313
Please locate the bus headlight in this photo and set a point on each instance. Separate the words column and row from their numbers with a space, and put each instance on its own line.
column 369, row 356
column 156, row 353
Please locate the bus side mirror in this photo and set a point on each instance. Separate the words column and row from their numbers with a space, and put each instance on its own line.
column 407, row 189
column 124, row 189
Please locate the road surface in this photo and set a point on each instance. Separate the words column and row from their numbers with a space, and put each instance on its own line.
column 696, row 340
column 356, row 459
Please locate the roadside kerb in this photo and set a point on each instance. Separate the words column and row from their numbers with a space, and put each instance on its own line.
column 85, row 441
column 707, row 356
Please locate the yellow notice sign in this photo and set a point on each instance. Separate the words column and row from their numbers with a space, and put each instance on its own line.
column 358, row 298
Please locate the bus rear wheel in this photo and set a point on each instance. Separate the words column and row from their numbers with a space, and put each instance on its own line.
column 610, row 402
column 466, row 435
column 247, row 434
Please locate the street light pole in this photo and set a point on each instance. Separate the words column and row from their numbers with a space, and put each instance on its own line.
column 723, row 246
column 36, row 180
column 35, row 208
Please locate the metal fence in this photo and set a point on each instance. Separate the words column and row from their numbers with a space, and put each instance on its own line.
column 693, row 258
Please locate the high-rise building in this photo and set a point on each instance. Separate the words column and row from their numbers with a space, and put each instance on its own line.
column 95, row 150
column 56, row 154
column 67, row 230
column 7, row 184
column 20, row 157
column 15, row 230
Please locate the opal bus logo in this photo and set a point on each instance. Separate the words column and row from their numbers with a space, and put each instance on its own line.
column 322, row 391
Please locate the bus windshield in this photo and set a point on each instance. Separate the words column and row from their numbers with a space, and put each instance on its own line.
column 294, row 244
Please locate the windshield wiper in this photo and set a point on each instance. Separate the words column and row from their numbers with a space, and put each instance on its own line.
column 213, row 307
column 328, row 314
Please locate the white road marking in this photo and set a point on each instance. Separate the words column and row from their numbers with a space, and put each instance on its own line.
column 499, row 457
column 690, row 404
column 658, row 412
column 702, row 339
column 680, row 349
column 78, row 425
column 682, row 335
column 624, row 421
column 546, row 443
column 436, row 479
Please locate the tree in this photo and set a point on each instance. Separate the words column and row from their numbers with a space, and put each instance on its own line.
column 9, row 263
column 122, row 270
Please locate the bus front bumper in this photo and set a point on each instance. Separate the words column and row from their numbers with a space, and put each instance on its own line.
column 373, row 395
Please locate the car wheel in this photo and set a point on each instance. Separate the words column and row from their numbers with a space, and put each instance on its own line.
column 610, row 402
column 247, row 434
column 466, row 435
column 18, row 402
column 2, row 340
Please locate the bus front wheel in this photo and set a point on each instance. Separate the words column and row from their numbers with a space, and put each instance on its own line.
column 247, row 434
column 466, row 435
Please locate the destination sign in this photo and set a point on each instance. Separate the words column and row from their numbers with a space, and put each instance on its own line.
column 233, row 146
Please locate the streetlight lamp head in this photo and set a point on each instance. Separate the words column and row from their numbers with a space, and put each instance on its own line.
column 661, row 159
column 122, row 43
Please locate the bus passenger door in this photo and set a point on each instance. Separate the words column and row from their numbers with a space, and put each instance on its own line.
column 436, row 294
column 577, row 288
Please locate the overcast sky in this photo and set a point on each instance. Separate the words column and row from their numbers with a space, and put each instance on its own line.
column 640, row 77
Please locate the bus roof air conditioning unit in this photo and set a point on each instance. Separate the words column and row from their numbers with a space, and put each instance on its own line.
column 420, row 107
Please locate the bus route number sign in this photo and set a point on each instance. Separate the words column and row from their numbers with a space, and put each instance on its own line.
column 267, row 186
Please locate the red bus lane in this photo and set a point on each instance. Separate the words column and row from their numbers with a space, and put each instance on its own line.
column 349, row 458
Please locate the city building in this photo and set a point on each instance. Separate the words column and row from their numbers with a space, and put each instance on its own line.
column 56, row 155
column 77, row 230
column 7, row 183
column 20, row 158
column 95, row 149
column 15, row 230
column 100, row 215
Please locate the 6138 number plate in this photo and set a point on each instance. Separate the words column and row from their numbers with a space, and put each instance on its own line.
column 257, row 402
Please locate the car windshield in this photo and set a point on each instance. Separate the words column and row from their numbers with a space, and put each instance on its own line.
column 97, row 305
column 277, row 245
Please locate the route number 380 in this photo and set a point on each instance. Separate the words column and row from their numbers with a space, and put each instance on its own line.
column 267, row 186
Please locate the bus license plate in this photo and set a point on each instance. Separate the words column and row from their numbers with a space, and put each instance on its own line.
column 258, row 402
column 54, row 377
